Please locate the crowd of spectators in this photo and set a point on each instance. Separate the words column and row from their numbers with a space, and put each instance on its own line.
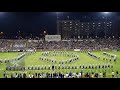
column 81, row 74
column 83, row 44
column 61, row 67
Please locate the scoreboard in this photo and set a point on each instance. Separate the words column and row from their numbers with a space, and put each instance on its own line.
column 52, row 37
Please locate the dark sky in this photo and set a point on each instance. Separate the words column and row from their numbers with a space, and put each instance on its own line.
column 37, row 22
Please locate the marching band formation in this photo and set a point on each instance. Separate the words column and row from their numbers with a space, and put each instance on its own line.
column 93, row 55
column 59, row 53
column 112, row 56
column 16, row 59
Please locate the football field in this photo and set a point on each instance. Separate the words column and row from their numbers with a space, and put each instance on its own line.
column 84, row 59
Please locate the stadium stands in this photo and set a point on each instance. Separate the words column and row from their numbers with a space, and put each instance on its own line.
column 84, row 44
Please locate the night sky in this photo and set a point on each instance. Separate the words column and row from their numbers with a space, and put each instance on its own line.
column 37, row 22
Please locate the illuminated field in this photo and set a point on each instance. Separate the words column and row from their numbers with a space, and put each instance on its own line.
column 84, row 58
column 11, row 55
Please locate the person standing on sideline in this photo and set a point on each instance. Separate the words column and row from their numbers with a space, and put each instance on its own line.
column 117, row 74
column 53, row 67
column 112, row 74
column 100, row 74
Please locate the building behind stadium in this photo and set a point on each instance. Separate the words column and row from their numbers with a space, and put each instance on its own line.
column 73, row 28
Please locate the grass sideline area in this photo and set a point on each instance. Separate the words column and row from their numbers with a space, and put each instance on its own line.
column 9, row 55
column 84, row 58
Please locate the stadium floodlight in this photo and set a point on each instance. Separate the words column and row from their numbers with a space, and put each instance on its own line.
column 106, row 12
column 1, row 32
column 113, row 36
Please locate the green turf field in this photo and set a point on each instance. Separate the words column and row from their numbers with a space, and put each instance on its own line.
column 11, row 55
column 84, row 58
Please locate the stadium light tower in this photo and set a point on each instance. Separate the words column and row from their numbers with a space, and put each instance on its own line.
column 106, row 12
